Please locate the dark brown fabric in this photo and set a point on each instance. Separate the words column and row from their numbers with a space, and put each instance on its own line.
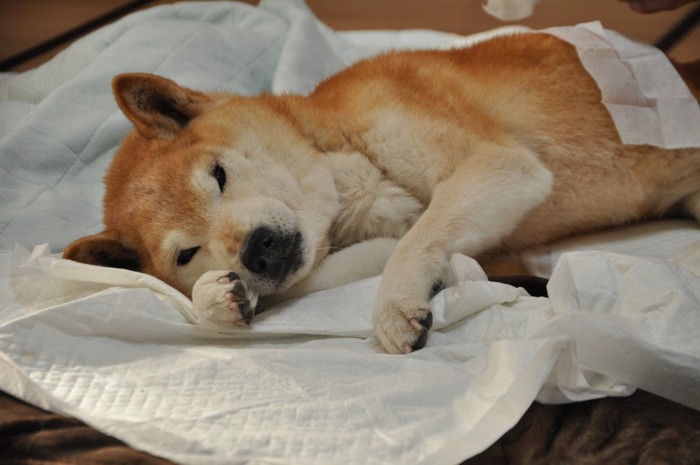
column 642, row 429
column 31, row 436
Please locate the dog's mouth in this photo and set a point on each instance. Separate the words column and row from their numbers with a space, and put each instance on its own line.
column 272, row 255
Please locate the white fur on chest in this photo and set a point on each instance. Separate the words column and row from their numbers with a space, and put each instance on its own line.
column 370, row 205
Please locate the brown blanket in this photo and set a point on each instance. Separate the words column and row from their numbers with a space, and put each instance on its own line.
column 641, row 429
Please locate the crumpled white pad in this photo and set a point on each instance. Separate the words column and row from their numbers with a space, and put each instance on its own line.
column 126, row 361
column 632, row 318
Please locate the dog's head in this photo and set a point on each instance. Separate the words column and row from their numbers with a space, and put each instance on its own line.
column 211, row 181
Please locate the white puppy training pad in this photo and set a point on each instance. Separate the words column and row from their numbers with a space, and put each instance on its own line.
column 125, row 360
column 307, row 384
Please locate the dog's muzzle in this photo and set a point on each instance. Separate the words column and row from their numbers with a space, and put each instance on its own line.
column 272, row 254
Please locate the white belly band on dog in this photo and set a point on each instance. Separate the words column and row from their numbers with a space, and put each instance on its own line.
column 648, row 100
column 646, row 97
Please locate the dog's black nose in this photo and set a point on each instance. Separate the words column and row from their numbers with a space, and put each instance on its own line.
column 272, row 253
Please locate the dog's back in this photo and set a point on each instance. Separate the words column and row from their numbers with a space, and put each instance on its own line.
column 418, row 115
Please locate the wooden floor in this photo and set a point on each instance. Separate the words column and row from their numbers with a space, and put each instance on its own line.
column 26, row 23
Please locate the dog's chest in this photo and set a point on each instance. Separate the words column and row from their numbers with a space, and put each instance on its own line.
column 370, row 204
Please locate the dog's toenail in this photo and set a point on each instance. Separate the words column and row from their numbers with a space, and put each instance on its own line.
column 416, row 324
column 421, row 341
column 238, row 290
column 246, row 311
column 427, row 322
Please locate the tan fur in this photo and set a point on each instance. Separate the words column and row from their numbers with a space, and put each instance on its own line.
column 501, row 146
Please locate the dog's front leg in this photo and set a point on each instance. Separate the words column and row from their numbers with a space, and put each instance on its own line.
column 221, row 298
column 472, row 210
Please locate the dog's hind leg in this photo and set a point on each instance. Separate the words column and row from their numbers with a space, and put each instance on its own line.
column 472, row 210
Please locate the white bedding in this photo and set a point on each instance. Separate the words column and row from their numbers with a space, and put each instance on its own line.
column 308, row 383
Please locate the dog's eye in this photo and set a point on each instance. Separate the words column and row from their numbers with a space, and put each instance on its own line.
column 185, row 256
column 220, row 175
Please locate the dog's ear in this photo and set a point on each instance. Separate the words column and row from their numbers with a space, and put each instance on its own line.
column 157, row 106
column 103, row 249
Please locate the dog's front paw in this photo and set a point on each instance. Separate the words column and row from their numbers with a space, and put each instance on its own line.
column 402, row 326
column 222, row 298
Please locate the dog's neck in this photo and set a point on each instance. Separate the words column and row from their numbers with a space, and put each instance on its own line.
column 370, row 205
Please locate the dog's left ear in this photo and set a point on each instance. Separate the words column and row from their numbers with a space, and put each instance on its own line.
column 103, row 249
column 157, row 106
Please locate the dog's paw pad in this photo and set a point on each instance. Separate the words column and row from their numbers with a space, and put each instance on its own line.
column 223, row 298
column 239, row 301
column 228, row 278
column 403, row 327
column 424, row 323
column 422, row 326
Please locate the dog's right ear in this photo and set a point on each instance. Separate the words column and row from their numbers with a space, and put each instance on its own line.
column 157, row 106
column 103, row 249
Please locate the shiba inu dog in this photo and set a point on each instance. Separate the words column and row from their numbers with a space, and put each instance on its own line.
column 497, row 147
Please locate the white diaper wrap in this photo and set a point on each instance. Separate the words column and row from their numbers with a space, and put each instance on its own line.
column 643, row 92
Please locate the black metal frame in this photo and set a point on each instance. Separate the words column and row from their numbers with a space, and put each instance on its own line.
column 680, row 30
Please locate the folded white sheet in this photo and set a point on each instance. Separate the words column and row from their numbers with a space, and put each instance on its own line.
column 307, row 384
